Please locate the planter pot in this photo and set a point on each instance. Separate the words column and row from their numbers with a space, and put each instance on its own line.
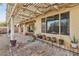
column 34, row 37
column 54, row 40
column 13, row 43
column 61, row 42
column 48, row 38
column 44, row 37
column 39, row 36
column 74, row 45
column 26, row 34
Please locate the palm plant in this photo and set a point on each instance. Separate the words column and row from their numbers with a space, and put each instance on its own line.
column 74, row 40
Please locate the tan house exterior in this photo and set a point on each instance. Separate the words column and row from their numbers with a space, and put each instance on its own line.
column 73, row 22
column 74, row 28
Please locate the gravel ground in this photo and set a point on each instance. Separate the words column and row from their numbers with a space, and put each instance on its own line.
column 25, row 47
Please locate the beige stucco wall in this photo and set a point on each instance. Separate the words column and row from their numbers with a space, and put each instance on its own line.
column 74, row 20
column 74, row 23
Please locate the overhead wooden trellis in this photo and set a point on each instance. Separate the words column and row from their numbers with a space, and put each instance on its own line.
column 28, row 11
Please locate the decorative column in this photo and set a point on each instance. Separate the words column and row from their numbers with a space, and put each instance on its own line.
column 24, row 29
column 8, row 30
column 59, row 24
column 12, row 40
column 19, row 29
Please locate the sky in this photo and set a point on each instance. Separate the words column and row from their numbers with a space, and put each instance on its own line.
column 2, row 12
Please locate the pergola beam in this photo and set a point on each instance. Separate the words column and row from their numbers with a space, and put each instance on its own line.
column 24, row 16
column 11, row 14
column 35, row 12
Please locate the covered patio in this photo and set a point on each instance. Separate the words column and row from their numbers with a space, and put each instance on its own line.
column 24, row 29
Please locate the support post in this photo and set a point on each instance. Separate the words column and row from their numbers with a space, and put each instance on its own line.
column 24, row 29
column 19, row 29
column 59, row 24
column 8, row 30
column 12, row 40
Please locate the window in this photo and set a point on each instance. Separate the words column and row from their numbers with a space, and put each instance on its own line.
column 65, row 23
column 53, row 24
column 43, row 25
column 31, row 28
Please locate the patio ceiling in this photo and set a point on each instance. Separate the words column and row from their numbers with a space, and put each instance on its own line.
column 31, row 10
column 28, row 11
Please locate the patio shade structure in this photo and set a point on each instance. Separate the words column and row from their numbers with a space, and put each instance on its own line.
column 23, row 13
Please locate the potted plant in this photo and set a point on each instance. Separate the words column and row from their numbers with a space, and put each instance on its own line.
column 48, row 38
column 54, row 40
column 39, row 36
column 44, row 37
column 61, row 42
column 74, row 42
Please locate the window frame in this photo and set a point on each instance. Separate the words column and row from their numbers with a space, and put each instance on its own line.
column 59, row 33
column 68, row 19
column 52, row 20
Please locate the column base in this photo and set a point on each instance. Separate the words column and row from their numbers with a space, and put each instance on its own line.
column 13, row 43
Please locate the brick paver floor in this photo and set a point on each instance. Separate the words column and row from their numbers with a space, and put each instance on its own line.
column 25, row 47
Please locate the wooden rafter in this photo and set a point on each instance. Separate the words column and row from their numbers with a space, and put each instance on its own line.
column 39, row 9
column 25, row 16
column 67, row 5
column 34, row 12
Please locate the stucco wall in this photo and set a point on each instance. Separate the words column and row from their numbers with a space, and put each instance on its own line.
column 74, row 20
column 74, row 23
